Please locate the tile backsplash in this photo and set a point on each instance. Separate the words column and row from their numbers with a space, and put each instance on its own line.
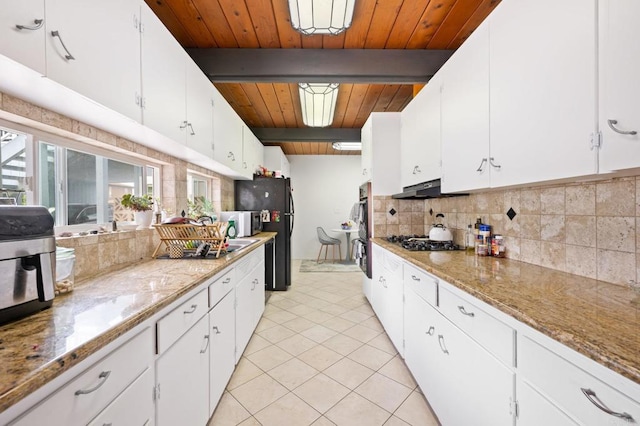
column 589, row 228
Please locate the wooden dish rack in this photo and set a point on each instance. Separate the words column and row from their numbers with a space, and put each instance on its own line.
column 187, row 237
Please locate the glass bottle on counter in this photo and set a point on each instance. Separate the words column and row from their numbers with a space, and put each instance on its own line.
column 469, row 239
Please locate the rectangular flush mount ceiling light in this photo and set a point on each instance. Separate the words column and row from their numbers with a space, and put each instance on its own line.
column 347, row 146
column 321, row 16
column 318, row 103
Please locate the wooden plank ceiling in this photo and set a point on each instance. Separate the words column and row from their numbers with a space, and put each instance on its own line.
column 377, row 24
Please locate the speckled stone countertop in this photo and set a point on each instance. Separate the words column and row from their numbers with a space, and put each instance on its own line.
column 598, row 319
column 38, row 348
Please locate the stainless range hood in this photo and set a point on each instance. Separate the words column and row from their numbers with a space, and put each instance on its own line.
column 430, row 189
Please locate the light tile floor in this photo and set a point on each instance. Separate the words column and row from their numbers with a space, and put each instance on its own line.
column 320, row 357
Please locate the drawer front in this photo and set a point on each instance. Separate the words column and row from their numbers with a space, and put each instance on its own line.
column 248, row 263
column 393, row 264
column 133, row 407
column 425, row 285
column 178, row 321
column 221, row 286
column 563, row 383
column 85, row 396
column 494, row 335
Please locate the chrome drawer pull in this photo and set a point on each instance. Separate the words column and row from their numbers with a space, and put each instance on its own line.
column 430, row 332
column 255, row 282
column 192, row 310
column 230, row 155
column 206, row 336
column 216, row 329
column 104, row 375
column 68, row 56
column 591, row 396
column 612, row 123
column 413, row 277
column 416, row 170
column 493, row 164
column 464, row 311
column 38, row 24
column 227, row 281
column 441, row 342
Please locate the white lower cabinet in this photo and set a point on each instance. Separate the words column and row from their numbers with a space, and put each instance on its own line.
column 534, row 409
column 249, row 300
column 80, row 400
column 221, row 356
column 182, row 379
column 586, row 398
column 133, row 407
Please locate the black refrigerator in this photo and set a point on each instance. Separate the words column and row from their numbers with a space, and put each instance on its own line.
column 274, row 195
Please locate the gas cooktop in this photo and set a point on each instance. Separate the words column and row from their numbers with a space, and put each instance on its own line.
column 422, row 243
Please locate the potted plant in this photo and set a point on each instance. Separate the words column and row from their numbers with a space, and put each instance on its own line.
column 200, row 207
column 141, row 206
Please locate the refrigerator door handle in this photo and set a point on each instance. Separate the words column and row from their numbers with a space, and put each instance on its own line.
column 293, row 218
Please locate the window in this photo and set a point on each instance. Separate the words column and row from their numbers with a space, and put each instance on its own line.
column 203, row 193
column 78, row 184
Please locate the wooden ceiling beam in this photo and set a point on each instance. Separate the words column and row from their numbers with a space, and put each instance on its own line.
column 307, row 134
column 390, row 66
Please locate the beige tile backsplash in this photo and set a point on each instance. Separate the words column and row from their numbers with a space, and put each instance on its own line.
column 590, row 229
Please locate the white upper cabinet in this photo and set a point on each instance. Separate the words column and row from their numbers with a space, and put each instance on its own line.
column 420, row 136
column 466, row 159
column 199, row 114
column 163, row 79
column 93, row 48
column 543, row 91
column 252, row 153
column 274, row 159
column 25, row 44
column 227, row 134
column 380, row 159
column 619, row 85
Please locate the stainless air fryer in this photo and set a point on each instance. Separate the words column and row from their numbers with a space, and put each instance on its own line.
column 27, row 261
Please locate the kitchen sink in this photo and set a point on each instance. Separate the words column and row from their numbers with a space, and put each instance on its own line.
column 239, row 243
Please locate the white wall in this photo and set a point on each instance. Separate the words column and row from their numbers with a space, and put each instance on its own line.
column 325, row 187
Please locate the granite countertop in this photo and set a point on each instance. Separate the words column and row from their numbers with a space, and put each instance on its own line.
column 36, row 349
column 597, row 319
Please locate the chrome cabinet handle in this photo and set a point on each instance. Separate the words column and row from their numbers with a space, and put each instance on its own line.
column 193, row 133
column 216, row 329
column 230, row 155
column 383, row 281
column 226, row 281
column 68, row 56
column 192, row 310
column 103, row 376
column 493, row 164
column 255, row 282
column 38, row 24
column 591, row 396
column 244, row 164
column 413, row 277
column 464, row 311
column 206, row 336
column 612, row 124
column 441, row 342
column 430, row 332
column 481, row 166
column 364, row 171
column 416, row 170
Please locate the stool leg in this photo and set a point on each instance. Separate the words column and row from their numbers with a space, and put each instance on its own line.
column 319, row 253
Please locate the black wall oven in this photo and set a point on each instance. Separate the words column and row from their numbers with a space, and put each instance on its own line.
column 363, row 242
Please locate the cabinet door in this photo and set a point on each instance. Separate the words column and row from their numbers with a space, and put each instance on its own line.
column 420, row 158
column 163, row 79
column 222, row 359
column 378, row 282
column 252, row 152
column 465, row 115
column 469, row 377
column 227, row 134
column 182, row 374
column 394, row 309
column 257, row 294
column 619, row 89
column 104, row 40
column 543, row 90
column 244, row 316
column 419, row 333
column 199, row 99
column 24, row 45
column 366, row 159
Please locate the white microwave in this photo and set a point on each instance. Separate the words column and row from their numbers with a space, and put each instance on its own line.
column 248, row 223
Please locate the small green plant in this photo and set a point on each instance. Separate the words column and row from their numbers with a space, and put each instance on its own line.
column 199, row 207
column 136, row 203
